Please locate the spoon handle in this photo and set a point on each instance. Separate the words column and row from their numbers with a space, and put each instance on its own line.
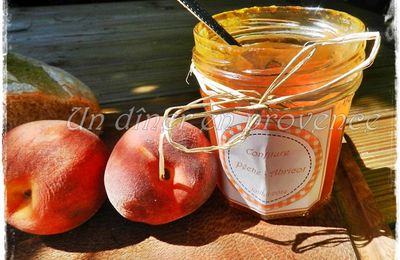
column 200, row 13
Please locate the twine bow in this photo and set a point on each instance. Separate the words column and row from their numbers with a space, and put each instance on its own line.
column 227, row 95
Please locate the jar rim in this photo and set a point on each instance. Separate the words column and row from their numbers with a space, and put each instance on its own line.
column 199, row 27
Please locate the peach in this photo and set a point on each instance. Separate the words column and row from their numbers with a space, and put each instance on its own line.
column 54, row 176
column 132, row 179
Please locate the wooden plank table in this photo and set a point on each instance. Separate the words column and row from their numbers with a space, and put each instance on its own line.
column 138, row 54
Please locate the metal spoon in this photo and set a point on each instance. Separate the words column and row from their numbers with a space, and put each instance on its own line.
column 203, row 16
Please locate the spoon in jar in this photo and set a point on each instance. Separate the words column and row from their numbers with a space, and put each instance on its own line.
column 203, row 16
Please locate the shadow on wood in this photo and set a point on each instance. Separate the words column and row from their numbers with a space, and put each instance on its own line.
column 366, row 224
column 299, row 244
column 108, row 230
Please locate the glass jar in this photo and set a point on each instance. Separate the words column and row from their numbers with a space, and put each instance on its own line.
column 286, row 166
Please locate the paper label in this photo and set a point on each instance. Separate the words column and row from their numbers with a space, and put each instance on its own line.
column 280, row 166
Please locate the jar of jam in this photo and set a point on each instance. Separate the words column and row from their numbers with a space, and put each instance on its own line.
column 287, row 163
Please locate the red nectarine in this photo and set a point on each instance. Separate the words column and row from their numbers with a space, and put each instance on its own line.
column 53, row 177
column 132, row 178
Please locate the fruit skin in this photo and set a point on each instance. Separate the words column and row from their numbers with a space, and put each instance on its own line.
column 132, row 180
column 54, row 176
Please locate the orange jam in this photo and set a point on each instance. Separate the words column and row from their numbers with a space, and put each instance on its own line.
column 286, row 166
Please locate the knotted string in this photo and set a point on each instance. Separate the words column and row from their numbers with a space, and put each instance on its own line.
column 226, row 95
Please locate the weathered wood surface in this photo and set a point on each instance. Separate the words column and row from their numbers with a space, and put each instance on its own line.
column 216, row 231
column 111, row 47
column 138, row 54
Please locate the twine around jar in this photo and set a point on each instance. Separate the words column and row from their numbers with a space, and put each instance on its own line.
column 225, row 95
